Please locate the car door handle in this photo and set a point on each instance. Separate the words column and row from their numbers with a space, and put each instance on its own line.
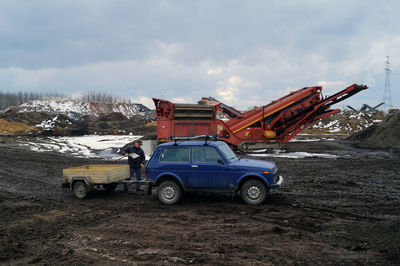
column 194, row 166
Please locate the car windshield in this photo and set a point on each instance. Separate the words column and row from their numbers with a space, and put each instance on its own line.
column 228, row 153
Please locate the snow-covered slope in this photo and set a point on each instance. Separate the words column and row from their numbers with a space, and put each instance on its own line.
column 74, row 108
column 347, row 122
column 89, row 146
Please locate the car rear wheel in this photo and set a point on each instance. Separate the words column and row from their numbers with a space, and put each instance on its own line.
column 80, row 189
column 169, row 192
column 253, row 192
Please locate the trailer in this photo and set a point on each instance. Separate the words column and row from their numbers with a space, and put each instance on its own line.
column 263, row 127
column 87, row 178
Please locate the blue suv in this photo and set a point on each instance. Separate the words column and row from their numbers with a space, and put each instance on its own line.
column 209, row 166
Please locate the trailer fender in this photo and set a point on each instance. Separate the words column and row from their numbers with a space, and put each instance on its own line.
column 87, row 180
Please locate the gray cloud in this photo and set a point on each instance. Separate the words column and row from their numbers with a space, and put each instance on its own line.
column 189, row 49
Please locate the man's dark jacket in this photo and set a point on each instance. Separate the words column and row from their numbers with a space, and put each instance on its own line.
column 137, row 161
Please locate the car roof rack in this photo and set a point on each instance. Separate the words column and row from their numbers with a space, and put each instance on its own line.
column 205, row 137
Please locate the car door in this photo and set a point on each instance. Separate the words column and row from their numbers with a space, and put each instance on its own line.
column 208, row 170
column 174, row 160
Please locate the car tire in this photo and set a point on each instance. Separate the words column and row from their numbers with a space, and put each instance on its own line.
column 110, row 187
column 253, row 192
column 169, row 192
column 80, row 189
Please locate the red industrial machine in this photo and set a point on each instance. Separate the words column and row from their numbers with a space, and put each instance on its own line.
column 277, row 122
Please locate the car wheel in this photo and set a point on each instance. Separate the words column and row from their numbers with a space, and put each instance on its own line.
column 80, row 189
column 253, row 192
column 169, row 192
column 110, row 187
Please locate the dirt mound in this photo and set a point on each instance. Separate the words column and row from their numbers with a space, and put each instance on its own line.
column 114, row 116
column 363, row 134
column 58, row 124
column 346, row 122
column 29, row 118
column 135, row 125
column 15, row 127
column 76, row 107
column 384, row 135
column 64, row 117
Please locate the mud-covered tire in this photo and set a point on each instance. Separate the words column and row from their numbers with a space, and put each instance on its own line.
column 253, row 192
column 169, row 192
column 110, row 187
column 80, row 189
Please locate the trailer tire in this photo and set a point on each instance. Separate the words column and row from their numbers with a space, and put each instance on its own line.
column 253, row 192
column 110, row 187
column 169, row 192
column 80, row 189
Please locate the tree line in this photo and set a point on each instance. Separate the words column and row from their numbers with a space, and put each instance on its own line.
column 103, row 97
column 8, row 99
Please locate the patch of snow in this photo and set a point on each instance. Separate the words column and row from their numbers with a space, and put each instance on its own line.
column 48, row 124
column 304, row 140
column 295, row 155
column 311, row 140
column 63, row 106
column 90, row 146
column 97, row 142
column 335, row 130
column 358, row 115
column 260, row 151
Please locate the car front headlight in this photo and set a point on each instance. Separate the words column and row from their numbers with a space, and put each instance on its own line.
column 275, row 178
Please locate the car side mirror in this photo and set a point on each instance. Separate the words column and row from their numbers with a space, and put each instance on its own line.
column 220, row 161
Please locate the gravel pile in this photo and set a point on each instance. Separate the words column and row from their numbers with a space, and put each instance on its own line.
column 384, row 135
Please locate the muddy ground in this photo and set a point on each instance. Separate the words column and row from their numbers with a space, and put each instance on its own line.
column 343, row 211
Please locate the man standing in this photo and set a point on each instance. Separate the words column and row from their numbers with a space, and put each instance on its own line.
column 136, row 161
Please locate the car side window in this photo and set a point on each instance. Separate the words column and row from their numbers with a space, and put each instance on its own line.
column 173, row 154
column 205, row 155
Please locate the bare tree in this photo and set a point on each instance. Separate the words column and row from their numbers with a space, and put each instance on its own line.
column 8, row 99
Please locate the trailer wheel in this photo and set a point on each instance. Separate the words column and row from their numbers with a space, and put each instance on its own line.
column 169, row 192
column 253, row 192
column 80, row 189
column 110, row 187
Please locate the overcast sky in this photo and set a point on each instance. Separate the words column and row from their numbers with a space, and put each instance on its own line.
column 243, row 53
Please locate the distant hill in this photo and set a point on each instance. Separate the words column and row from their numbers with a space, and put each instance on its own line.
column 75, row 109
column 60, row 116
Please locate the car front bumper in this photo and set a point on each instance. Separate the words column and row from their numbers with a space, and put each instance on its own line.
column 277, row 184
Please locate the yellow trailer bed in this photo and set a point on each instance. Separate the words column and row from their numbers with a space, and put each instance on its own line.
column 84, row 178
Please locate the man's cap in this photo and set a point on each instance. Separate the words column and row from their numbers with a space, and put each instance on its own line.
column 139, row 142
